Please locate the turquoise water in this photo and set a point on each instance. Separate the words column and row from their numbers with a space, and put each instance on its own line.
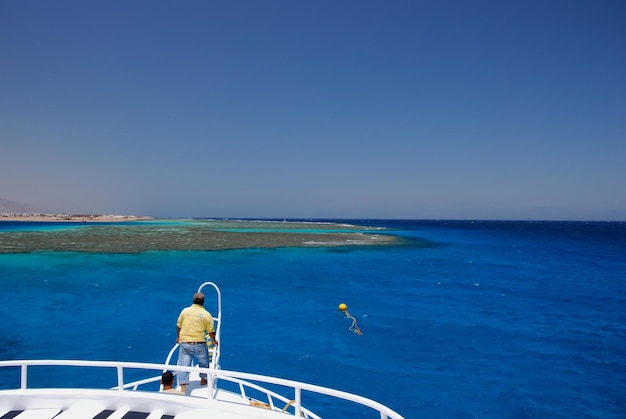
column 487, row 320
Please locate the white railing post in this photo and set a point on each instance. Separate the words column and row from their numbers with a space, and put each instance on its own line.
column 120, row 378
column 298, row 399
column 211, row 384
column 24, row 377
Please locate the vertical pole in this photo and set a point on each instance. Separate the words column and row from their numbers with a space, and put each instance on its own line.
column 120, row 378
column 298, row 399
column 24, row 377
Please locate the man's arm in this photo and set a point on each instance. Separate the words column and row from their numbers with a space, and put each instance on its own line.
column 212, row 336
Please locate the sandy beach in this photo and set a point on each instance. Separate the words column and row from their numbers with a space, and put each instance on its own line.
column 74, row 218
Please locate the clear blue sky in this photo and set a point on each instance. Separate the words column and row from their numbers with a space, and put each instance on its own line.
column 322, row 109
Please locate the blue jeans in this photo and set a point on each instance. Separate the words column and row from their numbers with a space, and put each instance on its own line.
column 186, row 353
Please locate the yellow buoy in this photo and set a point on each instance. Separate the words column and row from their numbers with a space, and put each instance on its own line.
column 343, row 307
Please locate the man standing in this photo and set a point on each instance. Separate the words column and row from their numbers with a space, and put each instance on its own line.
column 194, row 322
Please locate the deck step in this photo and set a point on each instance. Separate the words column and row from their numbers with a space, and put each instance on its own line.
column 81, row 411
column 103, row 415
column 38, row 414
column 135, row 415
column 157, row 414
column 118, row 414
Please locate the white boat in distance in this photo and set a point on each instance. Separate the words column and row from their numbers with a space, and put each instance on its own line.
column 228, row 395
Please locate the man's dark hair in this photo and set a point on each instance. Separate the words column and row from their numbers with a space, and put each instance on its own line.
column 167, row 378
column 198, row 298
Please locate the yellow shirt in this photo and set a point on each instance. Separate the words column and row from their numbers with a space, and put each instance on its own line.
column 194, row 322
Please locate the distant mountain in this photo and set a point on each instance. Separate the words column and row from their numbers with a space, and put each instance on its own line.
column 13, row 207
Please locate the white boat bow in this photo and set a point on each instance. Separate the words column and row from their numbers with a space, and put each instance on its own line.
column 228, row 394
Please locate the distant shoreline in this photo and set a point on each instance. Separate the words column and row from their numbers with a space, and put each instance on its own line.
column 73, row 218
column 100, row 235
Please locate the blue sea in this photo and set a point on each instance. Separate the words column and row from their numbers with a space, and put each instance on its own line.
column 464, row 319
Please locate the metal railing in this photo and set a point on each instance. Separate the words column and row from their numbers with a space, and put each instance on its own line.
column 244, row 380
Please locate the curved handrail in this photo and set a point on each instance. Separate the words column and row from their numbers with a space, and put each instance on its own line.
column 239, row 377
column 214, row 362
column 169, row 355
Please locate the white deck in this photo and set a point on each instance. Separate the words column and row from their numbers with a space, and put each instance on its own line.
column 202, row 401
column 84, row 404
